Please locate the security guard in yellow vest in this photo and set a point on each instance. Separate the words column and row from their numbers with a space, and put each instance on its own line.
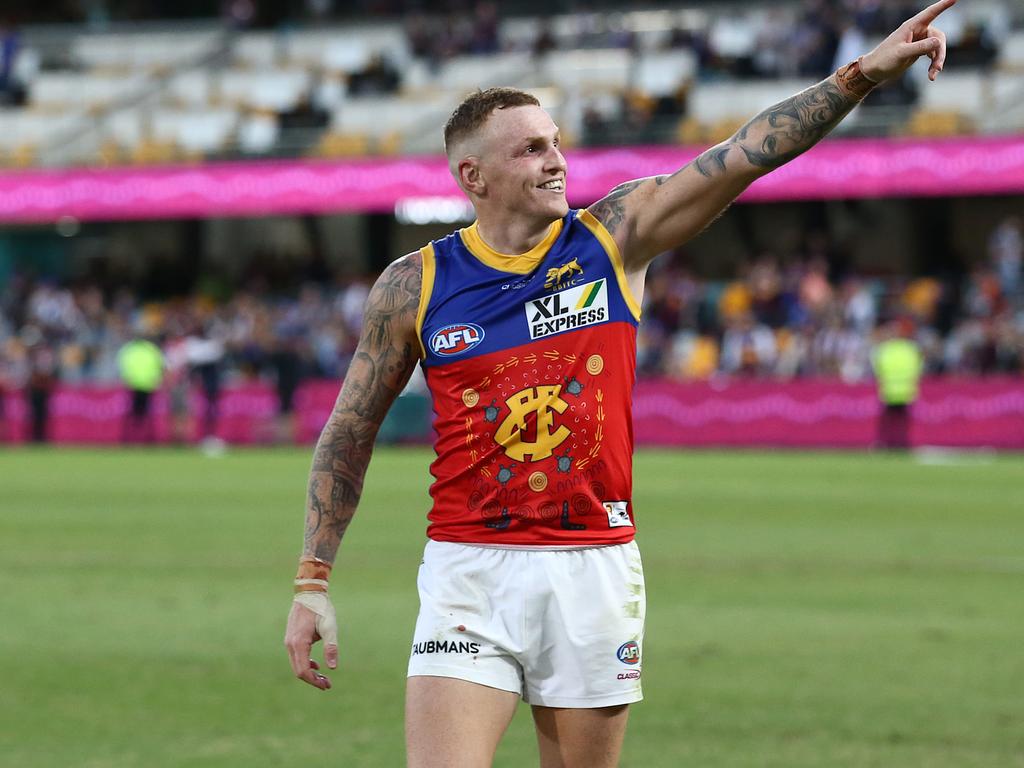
column 898, row 365
column 141, row 363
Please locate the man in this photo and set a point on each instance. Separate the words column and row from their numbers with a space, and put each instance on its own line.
column 531, row 585
column 141, row 363
column 898, row 365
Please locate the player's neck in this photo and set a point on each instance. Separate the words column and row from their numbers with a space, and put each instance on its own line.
column 512, row 236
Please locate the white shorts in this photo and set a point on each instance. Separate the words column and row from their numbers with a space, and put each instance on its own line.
column 562, row 628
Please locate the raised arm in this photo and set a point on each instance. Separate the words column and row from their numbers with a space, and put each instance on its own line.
column 388, row 351
column 652, row 215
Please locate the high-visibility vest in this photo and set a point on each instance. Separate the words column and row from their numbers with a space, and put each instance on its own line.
column 898, row 365
column 142, row 365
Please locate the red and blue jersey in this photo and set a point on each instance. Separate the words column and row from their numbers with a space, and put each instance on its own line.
column 531, row 361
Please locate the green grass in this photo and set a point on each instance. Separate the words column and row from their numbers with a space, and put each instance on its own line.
column 804, row 610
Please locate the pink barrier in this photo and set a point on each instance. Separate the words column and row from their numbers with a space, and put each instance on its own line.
column 833, row 170
column 951, row 412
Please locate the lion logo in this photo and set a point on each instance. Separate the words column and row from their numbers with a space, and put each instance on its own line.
column 557, row 275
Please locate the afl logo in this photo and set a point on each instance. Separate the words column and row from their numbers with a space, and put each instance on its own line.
column 629, row 653
column 456, row 339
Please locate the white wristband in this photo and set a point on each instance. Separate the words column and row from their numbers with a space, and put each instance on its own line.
column 326, row 620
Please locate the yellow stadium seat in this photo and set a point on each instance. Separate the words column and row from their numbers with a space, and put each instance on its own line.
column 151, row 152
column 723, row 129
column 702, row 361
column 390, row 143
column 690, row 131
column 939, row 123
column 344, row 145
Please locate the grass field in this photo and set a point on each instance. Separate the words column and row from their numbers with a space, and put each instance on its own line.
column 822, row 610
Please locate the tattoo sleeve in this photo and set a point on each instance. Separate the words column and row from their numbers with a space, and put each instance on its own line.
column 611, row 209
column 645, row 221
column 384, row 359
column 784, row 131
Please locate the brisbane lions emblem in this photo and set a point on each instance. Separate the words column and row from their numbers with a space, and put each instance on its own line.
column 558, row 275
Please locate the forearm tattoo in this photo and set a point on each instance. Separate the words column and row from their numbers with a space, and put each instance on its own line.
column 769, row 140
column 384, row 360
column 784, row 131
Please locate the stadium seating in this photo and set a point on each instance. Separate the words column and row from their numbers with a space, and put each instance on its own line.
column 206, row 91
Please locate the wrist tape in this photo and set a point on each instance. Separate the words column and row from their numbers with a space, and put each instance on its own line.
column 312, row 575
column 853, row 81
column 326, row 620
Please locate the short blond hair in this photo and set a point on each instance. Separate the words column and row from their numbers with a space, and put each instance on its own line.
column 474, row 110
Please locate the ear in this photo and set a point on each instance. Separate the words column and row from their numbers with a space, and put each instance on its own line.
column 470, row 176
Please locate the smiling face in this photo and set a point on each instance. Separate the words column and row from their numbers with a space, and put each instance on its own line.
column 514, row 163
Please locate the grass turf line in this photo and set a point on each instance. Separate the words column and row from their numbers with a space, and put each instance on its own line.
column 804, row 610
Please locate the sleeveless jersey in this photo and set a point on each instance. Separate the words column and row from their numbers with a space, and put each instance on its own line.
column 531, row 362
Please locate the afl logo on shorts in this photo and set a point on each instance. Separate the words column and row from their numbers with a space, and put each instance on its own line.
column 629, row 653
column 456, row 339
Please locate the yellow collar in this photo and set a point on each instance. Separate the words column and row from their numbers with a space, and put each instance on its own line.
column 520, row 264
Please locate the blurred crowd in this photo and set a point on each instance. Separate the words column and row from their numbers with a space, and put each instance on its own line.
column 779, row 318
column 786, row 318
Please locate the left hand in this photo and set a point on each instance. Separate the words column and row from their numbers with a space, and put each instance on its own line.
column 914, row 38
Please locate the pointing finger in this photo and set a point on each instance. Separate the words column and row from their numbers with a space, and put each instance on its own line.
column 921, row 48
column 939, row 59
column 929, row 14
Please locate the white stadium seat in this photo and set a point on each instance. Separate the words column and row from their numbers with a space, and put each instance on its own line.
column 367, row 115
column 258, row 134
column 258, row 49
column 193, row 88
column 712, row 102
column 20, row 127
column 962, row 92
column 142, row 51
column 1011, row 53
column 663, row 73
column 464, row 73
column 195, row 130
column 278, row 90
column 590, row 69
column 125, row 127
column 53, row 89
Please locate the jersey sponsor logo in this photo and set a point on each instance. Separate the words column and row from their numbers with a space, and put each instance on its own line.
column 633, row 674
column 445, row 646
column 563, row 276
column 629, row 652
column 566, row 310
column 618, row 513
column 456, row 339
column 527, row 430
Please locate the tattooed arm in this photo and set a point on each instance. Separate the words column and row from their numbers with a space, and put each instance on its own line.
column 387, row 352
column 652, row 215
column 385, row 357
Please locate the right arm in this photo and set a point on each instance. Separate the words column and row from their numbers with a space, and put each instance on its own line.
column 388, row 351
column 384, row 360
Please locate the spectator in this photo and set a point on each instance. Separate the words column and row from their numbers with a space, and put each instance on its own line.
column 205, row 351
column 748, row 347
column 42, row 379
column 379, row 77
column 898, row 366
column 9, row 44
column 142, row 370
column 1006, row 254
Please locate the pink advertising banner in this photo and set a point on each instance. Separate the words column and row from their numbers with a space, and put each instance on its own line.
column 950, row 412
column 833, row 170
column 805, row 414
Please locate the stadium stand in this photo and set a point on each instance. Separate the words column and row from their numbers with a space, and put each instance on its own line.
column 191, row 91
column 673, row 74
